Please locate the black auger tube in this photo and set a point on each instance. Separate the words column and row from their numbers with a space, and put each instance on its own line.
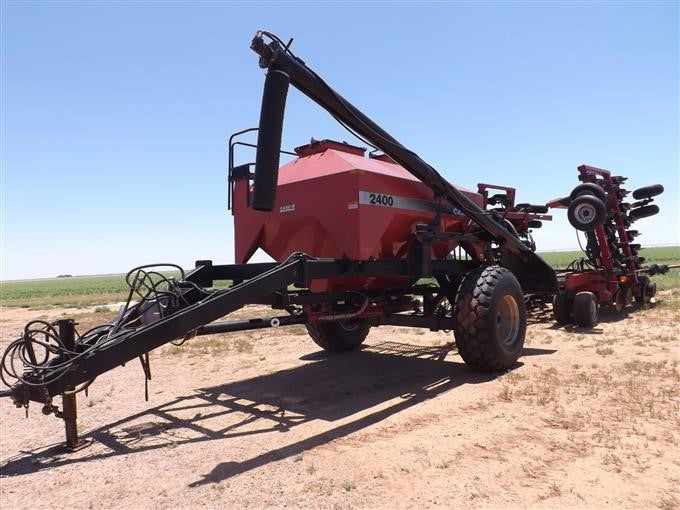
column 273, row 56
column 269, row 139
column 539, row 277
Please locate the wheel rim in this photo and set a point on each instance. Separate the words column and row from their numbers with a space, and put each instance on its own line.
column 584, row 213
column 508, row 320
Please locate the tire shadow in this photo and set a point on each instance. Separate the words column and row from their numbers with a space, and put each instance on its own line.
column 535, row 351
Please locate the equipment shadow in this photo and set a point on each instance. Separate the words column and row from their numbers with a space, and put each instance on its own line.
column 539, row 315
column 327, row 388
column 544, row 315
column 608, row 315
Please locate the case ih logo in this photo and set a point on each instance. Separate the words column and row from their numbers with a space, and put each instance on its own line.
column 287, row 208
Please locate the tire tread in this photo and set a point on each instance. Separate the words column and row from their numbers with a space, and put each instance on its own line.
column 331, row 337
column 473, row 305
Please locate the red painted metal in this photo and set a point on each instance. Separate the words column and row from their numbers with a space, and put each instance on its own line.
column 558, row 203
column 323, row 208
column 484, row 188
column 596, row 282
column 318, row 210
column 606, row 282
column 588, row 174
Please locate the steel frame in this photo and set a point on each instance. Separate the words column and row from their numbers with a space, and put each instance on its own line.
column 266, row 283
column 608, row 279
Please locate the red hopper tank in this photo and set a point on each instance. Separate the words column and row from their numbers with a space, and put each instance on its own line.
column 333, row 202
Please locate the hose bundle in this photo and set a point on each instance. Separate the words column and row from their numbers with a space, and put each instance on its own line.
column 40, row 356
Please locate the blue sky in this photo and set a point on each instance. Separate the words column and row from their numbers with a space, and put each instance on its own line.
column 115, row 115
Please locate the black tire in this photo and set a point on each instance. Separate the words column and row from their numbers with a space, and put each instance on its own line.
column 628, row 296
column 339, row 336
column 643, row 212
column 648, row 191
column 586, row 213
column 632, row 234
column 562, row 307
column 651, row 291
column 635, row 246
column 643, row 296
column 535, row 224
column 491, row 319
column 588, row 188
column 586, row 309
column 619, row 300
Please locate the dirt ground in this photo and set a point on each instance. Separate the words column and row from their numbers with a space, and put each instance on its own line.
column 263, row 419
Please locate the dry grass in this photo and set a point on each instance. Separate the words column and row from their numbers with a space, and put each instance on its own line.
column 554, row 491
column 242, row 344
column 604, row 351
column 634, row 389
column 203, row 345
column 669, row 502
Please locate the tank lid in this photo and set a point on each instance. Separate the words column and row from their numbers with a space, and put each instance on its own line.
column 317, row 146
column 381, row 157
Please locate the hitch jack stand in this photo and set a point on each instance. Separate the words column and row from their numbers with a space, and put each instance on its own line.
column 67, row 334
column 70, row 417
